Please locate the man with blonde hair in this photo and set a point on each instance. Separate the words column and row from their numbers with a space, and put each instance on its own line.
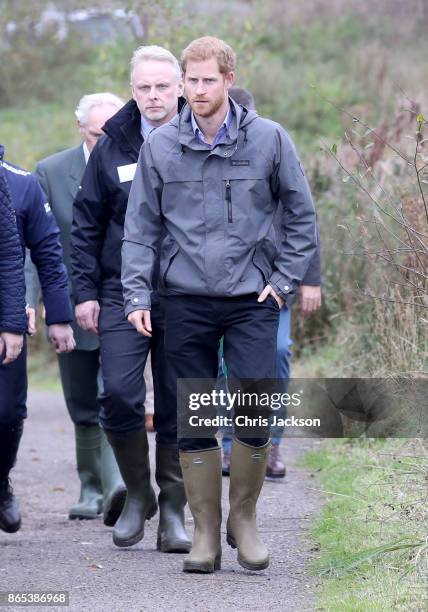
column 211, row 181
column 99, row 214
column 101, row 487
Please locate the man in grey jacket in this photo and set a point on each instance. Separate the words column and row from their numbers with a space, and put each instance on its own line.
column 60, row 174
column 212, row 180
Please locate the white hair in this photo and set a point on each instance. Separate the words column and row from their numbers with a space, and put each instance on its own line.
column 97, row 99
column 153, row 52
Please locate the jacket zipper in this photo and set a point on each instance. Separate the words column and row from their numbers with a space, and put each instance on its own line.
column 229, row 201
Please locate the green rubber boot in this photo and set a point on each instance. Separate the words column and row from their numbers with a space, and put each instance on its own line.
column 172, row 536
column 132, row 455
column 114, row 490
column 202, row 479
column 247, row 473
column 88, row 457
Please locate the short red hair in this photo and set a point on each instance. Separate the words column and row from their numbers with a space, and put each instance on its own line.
column 205, row 48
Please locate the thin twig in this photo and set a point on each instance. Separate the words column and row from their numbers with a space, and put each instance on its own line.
column 377, row 297
column 418, row 177
column 367, row 127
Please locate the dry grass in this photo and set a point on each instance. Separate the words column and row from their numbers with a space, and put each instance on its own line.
column 401, row 332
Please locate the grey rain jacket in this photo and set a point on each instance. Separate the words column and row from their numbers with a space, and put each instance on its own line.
column 217, row 208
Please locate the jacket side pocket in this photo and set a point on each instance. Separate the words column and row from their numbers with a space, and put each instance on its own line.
column 168, row 255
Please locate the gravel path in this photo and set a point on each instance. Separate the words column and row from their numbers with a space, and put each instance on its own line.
column 52, row 553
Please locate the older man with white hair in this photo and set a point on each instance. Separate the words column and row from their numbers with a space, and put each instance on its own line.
column 102, row 488
column 99, row 214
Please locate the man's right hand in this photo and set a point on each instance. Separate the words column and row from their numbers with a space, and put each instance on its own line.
column 87, row 314
column 10, row 346
column 140, row 319
column 62, row 337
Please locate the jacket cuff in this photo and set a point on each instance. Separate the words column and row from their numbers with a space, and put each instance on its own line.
column 313, row 277
column 58, row 308
column 79, row 298
column 283, row 286
column 137, row 302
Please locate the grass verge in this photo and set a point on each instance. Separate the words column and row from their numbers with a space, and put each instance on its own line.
column 372, row 535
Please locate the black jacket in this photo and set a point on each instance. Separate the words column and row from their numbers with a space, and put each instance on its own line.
column 100, row 207
column 12, row 284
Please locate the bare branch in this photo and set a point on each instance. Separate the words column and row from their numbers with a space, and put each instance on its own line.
column 373, row 131
column 383, row 299
column 418, row 172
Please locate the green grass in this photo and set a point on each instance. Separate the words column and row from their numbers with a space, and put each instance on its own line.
column 372, row 534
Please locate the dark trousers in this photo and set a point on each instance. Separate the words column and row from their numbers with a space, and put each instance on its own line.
column 10, row 437
column 193, row 328
column 13, row 390
column 79, row 373
column 123, row 358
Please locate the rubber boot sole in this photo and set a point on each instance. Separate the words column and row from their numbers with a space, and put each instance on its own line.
column 139, row 536
column 177, row 546
column 83, row 516
column 208, row 567
column 255, row 567
column 275, row 476
column 116, row 504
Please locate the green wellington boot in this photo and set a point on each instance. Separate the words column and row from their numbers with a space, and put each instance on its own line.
column 114, row 490
column 202, row 481
column 88, row 456
column 132, row 456
column 247, row 472
column 172, row 536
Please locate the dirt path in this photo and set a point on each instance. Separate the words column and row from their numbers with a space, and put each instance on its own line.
column 52, row 553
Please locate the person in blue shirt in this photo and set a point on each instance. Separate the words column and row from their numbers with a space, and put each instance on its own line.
column 39, row 233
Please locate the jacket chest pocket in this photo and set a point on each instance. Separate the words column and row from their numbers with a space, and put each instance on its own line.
column 246, row 193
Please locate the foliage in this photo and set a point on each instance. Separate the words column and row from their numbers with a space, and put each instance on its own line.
column 390, row 234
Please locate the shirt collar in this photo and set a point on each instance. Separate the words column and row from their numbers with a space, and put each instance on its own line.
column 223, row 129
column 86, row 152
column 146, row 128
